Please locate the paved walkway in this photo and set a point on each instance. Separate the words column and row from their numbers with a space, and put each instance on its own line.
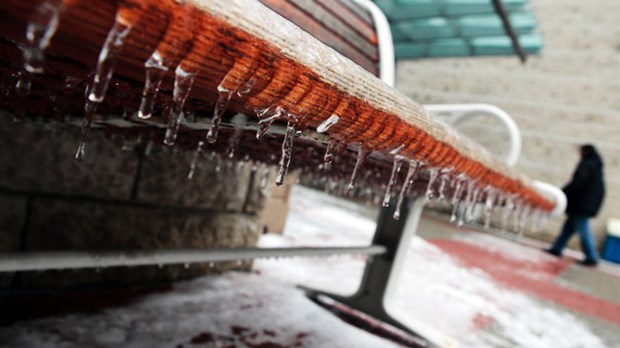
column 592, row 294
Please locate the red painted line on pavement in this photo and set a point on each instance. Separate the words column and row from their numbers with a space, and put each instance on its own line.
column 531, row 277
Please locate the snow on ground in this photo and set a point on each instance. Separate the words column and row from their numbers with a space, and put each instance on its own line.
column 264, row 309
column 461, row 303
column 231, row 310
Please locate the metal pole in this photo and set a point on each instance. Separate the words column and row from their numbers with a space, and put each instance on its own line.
column 501, row 12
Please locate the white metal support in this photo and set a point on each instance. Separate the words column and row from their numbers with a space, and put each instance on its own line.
column 456, row 113
column 387, row 61
column 46, row 260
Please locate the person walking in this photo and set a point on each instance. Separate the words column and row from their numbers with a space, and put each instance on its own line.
column 584, row 194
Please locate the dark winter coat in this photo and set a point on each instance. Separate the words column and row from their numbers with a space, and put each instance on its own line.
column 586, row 190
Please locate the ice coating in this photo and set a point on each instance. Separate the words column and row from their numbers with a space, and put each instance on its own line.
column 182, row 87
column 107, row 58
column 398, row 163
column 412, row 174
column 327, row 124
column 156, row 67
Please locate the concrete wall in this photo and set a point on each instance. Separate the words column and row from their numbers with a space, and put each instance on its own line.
column 568, row 96
column 116, row 199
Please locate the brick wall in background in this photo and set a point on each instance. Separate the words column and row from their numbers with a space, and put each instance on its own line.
column 567, row 96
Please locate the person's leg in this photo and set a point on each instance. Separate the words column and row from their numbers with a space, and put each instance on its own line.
column 587, row 241
column 567, row 231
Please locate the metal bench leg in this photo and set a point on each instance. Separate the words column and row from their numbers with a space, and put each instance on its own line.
column 382, row 271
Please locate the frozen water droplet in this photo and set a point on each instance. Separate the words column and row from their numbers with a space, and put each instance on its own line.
column 220, row 107
column 432, row 176
column 107, row 59
column 192, row 166
column 39, row 32
column 362, row 155
column 412, row 175
column 90, row 108
column 183, row 82
column 156, row 68
column 327, row 124
column 398, row 163
column 287, row 149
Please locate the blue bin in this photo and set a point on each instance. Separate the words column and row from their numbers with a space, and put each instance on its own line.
column 611, row 249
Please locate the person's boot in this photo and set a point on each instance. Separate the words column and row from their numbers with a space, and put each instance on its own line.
column 553, row 252
column 588, row 263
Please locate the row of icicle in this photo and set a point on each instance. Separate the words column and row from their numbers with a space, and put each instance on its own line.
column 42, row 28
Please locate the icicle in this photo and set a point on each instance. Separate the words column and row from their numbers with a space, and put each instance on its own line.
column 327, row 124
column 186, row 265
column 183, row 82
column 266, row 118
column 39, row 33
column 328, row 158
column 23, row 84
column 107, row 58
column 456, row 197
column 398, row 163
column 443, row 179
column 362, row 156
column 517, row 215
column 412, row 174
column 220, row 107
column 287, row 149
column 508, row 207
column 489, row 204
column 246, row 89
column 265, row 178
column 523, row 218
column 192, row 166
column 397, row 150
column 432, row 176
column 471, row 211
column 471, row 187
column 90, row 108
column 156, row 68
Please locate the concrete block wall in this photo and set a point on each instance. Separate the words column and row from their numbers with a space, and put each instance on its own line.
column 116, row 199
column 568, row 96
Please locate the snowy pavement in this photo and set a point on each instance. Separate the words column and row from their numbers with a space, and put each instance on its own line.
column 473, row 289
